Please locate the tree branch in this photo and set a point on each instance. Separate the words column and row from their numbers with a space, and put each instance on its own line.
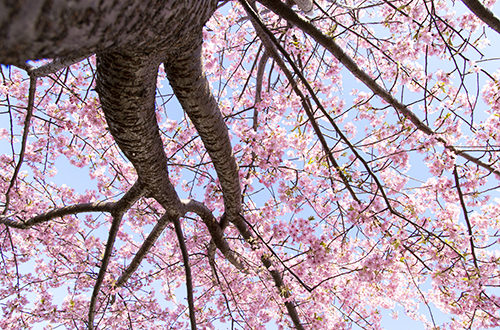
column 216, row 232
column 258, row 86
column 283, row 11
column 24, row 141
column 126, row 84
column 57, row 64
column 466, row 216
column 283, row 291
column 271, row 43
column 144, row 249
column 119, row 209
column 59, row 212
column 483, row 13
column 187, row 269
column 187, row 78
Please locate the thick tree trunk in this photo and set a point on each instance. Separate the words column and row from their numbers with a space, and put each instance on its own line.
column 126, row 83
column 34, row 29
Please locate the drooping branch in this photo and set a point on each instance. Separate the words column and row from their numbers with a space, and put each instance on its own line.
column 327, row 42
column 118, row 210
column 284, row 292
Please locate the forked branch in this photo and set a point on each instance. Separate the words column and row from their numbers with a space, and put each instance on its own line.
column 118, row 210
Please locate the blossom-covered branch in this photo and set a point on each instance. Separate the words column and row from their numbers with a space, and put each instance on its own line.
column 330, row 44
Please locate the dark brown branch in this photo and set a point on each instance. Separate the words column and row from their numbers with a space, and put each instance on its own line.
column 187, row 269
column 24, row 141
column 126, row 83
column 188, row 81
column 59, row 212
column 283, row 11
column 14, row 255
column 466, row 216
column 115, row 225
column 209, row 220
column 119, row 209
column 216, row 232
column 258, row 87
column 278, row 281
column 483, row 13
column 260, row 75
column 283, row 291
column 144, row 249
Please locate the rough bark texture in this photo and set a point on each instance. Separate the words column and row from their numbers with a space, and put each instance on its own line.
column 131, row 38
column 54, row 28
column 185, row 74
column 126, row 83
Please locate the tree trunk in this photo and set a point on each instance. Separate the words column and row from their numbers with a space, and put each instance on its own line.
column 38, row 29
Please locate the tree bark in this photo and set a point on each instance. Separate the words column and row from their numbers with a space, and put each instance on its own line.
column 185, row 74
column 126, row 83
column 35, row 29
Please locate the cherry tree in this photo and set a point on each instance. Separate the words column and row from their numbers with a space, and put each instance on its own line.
column 311, row 164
